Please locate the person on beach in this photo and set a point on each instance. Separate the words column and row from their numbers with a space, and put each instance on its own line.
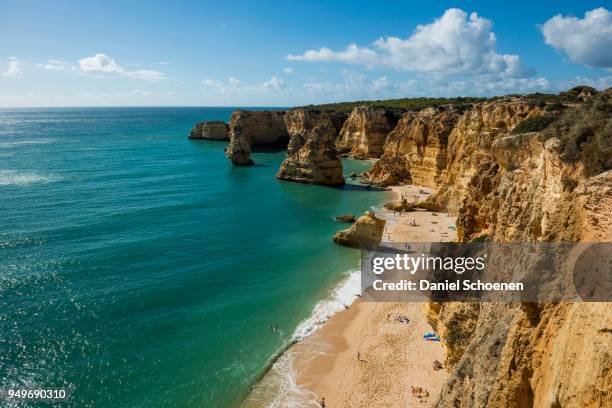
column 323, row 402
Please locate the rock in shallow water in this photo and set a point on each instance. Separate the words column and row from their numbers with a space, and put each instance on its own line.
column 349, row 218
column 366, row 232
column 209, row 130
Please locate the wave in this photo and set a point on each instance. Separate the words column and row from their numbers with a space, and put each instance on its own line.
column 25, row 178
column 341, row 296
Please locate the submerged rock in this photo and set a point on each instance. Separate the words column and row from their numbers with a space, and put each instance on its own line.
column 366, row 232
column 210, row 130
column 254, row 129
column 311, row 154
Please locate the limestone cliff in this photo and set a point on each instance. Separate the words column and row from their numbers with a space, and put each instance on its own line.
column 526, row 354
column 364, row 132
column 470, row 141
column 366, row 232
column 415, row 151
column 250, row 130
column 209, row 130
column 311, row 154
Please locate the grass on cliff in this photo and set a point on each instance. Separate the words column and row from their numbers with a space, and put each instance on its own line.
column 586, row 133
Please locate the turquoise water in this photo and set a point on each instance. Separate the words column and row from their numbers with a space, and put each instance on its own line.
column 140, row 269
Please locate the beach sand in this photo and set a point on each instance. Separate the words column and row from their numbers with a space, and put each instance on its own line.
column 363, row 356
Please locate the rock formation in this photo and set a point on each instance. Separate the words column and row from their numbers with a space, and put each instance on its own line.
column 311, row 154
column 209, row 130
column 415, row 151
column 366, row 232
column 250, row 130
column 365, row 130
column 544, row 354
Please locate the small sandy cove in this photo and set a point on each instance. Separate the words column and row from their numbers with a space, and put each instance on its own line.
column 364, row 356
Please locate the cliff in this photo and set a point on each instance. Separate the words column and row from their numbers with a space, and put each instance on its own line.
column 416, row 149
column 364, row 132
column 366, row 232
column 529, row 188
column 470, row 142
column 311, row 154
column 209, row 130
column 250, row 130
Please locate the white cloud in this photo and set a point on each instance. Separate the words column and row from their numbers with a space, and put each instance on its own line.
column 356, row 86
column 13, row 69
column 234, row 81
column 274, row 84
column 140, row 92
column 162, row 63
column 352, row 55
column 586, row 41
column 56, row 65
column 453, row 44
column 102, row 63
column 236, row 88
column 288, row 70
column 210, row 85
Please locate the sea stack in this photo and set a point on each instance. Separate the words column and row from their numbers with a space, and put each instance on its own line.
column 311, row 154
column 209, row 130
column 254, row 129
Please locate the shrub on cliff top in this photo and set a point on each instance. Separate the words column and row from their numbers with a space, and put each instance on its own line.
column 586, row 133
column 534, row 124
column 574, row 94
column 555, row 107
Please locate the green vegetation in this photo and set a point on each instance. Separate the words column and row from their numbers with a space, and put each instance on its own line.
column 463, row 102
column 573, row 95
column 555, row 107
column 586, row 133
column 408, row 104
column 534, row 124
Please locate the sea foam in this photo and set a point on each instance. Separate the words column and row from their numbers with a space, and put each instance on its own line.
column 24, row 178
column 341, row 296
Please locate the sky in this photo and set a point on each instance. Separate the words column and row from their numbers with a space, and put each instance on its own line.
column 287, row 53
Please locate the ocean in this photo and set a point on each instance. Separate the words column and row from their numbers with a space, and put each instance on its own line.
column 141, row 269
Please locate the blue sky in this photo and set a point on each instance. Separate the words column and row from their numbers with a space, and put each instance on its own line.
column 222, row 53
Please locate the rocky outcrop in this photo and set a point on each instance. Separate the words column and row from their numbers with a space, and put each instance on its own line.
column 250, row 130
column 415, row 151
column 364, row 132
column 209, row 130
column 366, row 232
column 311, row 154
column 545, row 354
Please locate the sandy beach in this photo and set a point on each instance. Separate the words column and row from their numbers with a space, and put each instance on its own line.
column 364, row 356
